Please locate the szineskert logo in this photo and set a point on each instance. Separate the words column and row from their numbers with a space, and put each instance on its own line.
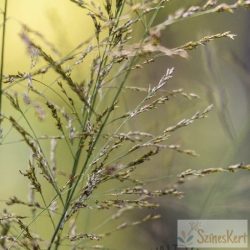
column 212, row 233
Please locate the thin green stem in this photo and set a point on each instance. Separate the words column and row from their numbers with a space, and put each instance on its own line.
column 78, row 154
column 49, row 213
column 83, row 169
column 2, row 51
column 93, row 99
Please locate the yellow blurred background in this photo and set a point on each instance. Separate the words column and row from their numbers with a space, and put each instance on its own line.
column 218, row 73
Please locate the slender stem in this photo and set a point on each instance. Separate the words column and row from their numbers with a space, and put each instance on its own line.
column 94, row 95
column 73, row 188
column 78, row 154
column 2, row 51
column 49, row 212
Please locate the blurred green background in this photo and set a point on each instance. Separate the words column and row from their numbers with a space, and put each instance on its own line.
column 218, row 73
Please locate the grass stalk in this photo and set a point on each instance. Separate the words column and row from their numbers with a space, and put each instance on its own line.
column 2, row 51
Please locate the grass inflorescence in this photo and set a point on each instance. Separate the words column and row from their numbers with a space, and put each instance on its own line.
column 88, row 118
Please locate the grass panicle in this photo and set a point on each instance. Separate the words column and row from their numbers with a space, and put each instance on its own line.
column 88, row 119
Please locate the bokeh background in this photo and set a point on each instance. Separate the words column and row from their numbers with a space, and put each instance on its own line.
column 217, row 72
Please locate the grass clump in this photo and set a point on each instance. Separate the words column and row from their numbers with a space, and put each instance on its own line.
column 90, row 123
